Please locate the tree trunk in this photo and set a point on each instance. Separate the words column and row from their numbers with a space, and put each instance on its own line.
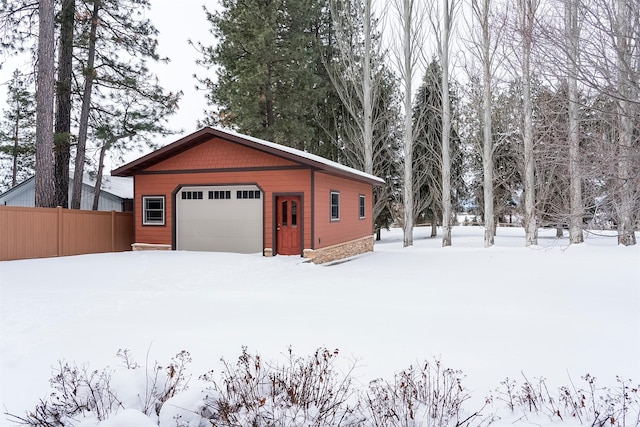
column 98, row 186
column 367, row 91
column 575, row 175
column 16, row 145
column 487, row 152
column 62, row 133
column 408, row 125
column 527, row 19
column 44, row 180
column 86, row 107
column 103, row 152
column 626, row 115
column 446, row 131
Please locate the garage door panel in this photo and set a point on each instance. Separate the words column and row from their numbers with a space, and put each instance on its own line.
column 228, row 224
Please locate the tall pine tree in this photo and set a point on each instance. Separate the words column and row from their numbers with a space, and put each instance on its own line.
column 427, row 150
column 17, row 133
column 268, row 81
column 115, row 41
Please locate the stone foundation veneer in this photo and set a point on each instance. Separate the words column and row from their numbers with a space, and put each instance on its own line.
column 340, row 251
column 150, row 247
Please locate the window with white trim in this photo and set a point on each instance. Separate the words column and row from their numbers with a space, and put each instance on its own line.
column 153, row 210
column 335, row 206
column 361, row 206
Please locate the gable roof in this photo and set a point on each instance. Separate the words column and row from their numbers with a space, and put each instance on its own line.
column 206, row 133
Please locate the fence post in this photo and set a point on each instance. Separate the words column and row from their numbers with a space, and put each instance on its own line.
column 60, row 230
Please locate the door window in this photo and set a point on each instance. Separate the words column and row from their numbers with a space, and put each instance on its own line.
column 294, row 214
column 284, row 213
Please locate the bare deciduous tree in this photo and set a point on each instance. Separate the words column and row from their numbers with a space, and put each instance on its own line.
column 484, row 47
column 446, row 123
column 627, row 44
column 361, row 81
column 408, row 54
column 610, row 68
column 572, row 49
column 526, row 21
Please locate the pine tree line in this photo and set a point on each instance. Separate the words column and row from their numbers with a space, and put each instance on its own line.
column 107, row 101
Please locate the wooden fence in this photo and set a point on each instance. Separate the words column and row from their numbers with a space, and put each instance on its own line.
column 48, row 232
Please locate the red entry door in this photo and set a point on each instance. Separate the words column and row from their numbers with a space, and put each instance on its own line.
column 288, row 225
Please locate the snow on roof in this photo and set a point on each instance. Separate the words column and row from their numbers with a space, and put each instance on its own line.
column 116, row 185
column 208, row 132
column 302, row 154
column 121, row 186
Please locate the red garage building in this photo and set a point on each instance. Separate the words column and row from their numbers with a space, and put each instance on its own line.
column 217, row 190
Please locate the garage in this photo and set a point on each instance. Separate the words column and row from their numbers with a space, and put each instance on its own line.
column 220, row 218
column 217, row 190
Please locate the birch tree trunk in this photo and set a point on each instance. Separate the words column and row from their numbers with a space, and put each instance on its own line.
column 44, row 180
column 481, row 11
column 527, row 13
column 572, row 32
column 446, row 129
column 367, row 91
column 407, row 72
column 627, row 113
column 86, row 107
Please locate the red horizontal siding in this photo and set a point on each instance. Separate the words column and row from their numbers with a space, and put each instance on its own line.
column 270, row 181
column 220, row 154
column 349, row 226
column 220, row 162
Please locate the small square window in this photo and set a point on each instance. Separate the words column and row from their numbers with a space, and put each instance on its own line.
column 335, row 206
column 153, row 210
column 362, row 206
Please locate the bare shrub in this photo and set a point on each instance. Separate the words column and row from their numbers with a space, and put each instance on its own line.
column 598, row 406
column 163, row 383
column 428, row 395
column 79, row 393
column 301, row 392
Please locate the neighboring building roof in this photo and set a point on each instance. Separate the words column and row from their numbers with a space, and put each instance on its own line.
column 118, row 186
column 121, row 186
column 206, row 133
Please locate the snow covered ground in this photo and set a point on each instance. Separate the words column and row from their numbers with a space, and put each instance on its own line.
column 552, row 311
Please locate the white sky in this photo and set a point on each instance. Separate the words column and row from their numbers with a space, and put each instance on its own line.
column 177, row 26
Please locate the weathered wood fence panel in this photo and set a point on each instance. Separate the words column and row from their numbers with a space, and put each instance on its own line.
column 49, row 232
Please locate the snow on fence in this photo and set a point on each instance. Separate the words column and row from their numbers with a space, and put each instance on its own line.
column 48, row 232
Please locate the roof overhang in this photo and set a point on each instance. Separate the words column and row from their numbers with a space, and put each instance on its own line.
column 207, row 133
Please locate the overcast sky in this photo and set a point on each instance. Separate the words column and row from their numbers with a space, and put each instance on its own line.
column 176, row 26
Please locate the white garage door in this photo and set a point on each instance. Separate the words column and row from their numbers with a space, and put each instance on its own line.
column 219, row 218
